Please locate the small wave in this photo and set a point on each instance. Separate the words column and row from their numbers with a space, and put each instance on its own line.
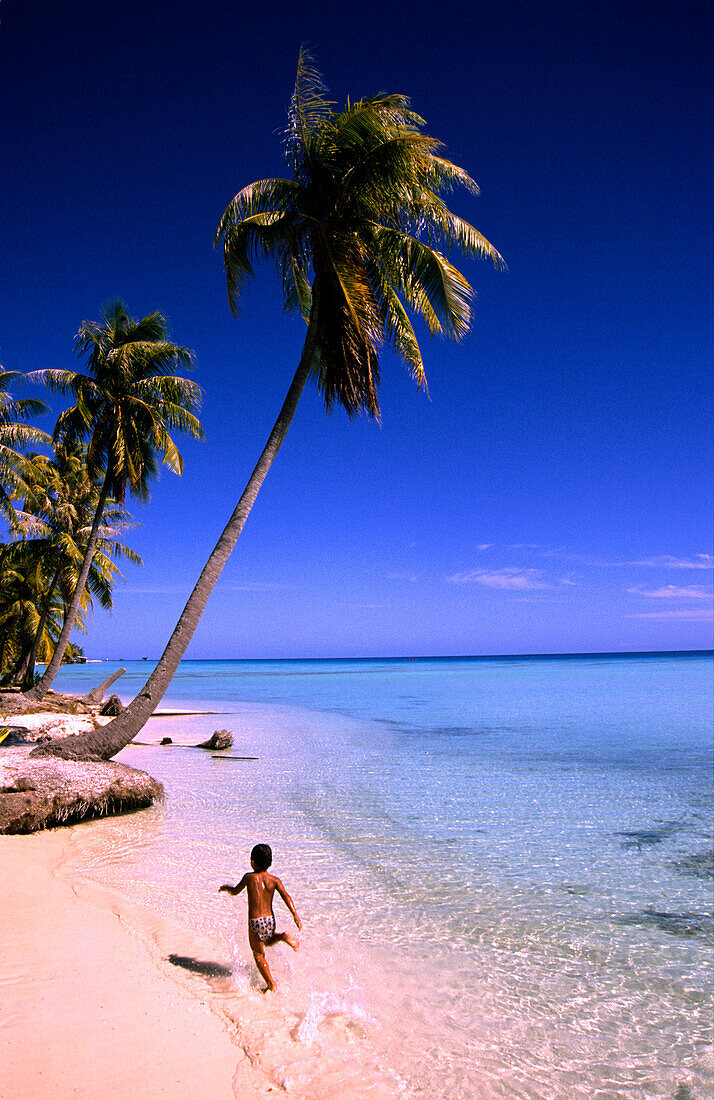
column 350, row 1005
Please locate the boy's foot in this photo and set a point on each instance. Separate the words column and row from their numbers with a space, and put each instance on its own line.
column 291, row 940
column 271, row 988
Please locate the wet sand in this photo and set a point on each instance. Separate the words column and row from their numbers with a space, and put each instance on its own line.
column 88, row 1007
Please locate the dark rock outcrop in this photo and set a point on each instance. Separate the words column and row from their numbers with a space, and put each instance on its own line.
column 221, row 739
column 112, row 707
column 15, row 735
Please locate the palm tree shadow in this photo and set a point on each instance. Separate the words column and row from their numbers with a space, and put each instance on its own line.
column 200, row 966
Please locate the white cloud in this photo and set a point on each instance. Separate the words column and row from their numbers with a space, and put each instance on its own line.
column 164, row 590
column 509, row 579
column 673, row 592
column 185, row 590
column 694, row 615
column 668, row 561
column 662, row 561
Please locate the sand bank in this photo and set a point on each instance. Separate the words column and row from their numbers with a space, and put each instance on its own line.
column 88, row 1009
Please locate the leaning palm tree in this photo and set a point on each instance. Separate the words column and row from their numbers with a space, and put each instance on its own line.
column 354, row 234
column 125, row 405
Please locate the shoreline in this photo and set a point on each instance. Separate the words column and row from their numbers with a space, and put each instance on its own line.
column 89, row 989
column 351, row 1020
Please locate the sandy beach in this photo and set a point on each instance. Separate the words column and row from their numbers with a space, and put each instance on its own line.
column 90, row 1007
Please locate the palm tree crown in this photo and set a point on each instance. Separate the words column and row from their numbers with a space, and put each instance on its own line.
column 360, row 219
column 128, row 400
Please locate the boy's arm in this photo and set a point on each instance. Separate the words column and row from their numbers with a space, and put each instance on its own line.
column 288, row 901
column 233, row 889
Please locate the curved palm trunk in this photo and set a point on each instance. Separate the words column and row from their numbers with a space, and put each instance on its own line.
column 41, row 688
column 110, row 739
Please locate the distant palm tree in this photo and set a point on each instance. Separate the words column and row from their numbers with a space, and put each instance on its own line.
column 31, row 613
column 354, row 235
column 125, row 405
column 56, row 523
column 13, row 465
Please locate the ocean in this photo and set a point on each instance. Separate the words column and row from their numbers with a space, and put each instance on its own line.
column 504, row 868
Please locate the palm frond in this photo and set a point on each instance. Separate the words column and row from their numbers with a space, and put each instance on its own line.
column 401, row 335
column 309, row 111
column 427, row 275
column 268, row 196
column 462, row 235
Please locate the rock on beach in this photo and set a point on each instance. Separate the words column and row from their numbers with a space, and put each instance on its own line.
column 42, row 792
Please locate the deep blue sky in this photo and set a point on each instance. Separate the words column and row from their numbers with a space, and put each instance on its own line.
column 554, row 493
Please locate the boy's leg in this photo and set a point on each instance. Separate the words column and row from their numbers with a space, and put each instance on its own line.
column 286, row 938
column 261, row 962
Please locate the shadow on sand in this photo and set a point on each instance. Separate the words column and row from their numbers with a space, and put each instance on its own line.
column 200, row 966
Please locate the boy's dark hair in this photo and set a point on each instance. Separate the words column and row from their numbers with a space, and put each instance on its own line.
column 262, row 856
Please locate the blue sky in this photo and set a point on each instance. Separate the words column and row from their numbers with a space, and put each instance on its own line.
column 553, row 493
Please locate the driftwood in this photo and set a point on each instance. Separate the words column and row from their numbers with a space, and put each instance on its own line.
column 43, row 792
column 97, row 694
column 220, row 739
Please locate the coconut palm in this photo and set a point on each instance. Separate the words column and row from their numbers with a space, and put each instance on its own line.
column 13, row 465
column 125, row 405
column 57, row 520
column 31, row 615
column 354, row 235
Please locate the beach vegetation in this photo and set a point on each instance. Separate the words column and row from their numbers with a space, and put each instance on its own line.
column 361, row 237
column 46, row 553
column 128, row 401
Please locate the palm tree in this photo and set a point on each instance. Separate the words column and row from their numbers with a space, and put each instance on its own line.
column 354, row 235
column 126, row 404
column 13, row 465
column 31, row 615
column 57, row 520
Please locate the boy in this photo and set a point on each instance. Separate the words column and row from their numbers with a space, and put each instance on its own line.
column 261, row 923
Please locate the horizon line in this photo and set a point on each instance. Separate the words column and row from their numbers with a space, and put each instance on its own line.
column 575, row 655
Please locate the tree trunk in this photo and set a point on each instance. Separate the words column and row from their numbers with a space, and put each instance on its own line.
column 41, row 688
column 14, row 680
column 108, row 740
column 22, row 665
column 29, row 671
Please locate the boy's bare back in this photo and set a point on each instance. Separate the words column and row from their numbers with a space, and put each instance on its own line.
column 260, row 887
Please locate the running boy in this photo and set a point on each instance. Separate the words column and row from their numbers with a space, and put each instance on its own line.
column 261, row 923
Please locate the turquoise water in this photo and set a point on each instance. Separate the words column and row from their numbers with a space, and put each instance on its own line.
column 504, row 867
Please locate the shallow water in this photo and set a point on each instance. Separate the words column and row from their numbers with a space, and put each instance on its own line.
column 504, row 868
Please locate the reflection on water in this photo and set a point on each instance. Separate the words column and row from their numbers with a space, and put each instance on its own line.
column 502, row 872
